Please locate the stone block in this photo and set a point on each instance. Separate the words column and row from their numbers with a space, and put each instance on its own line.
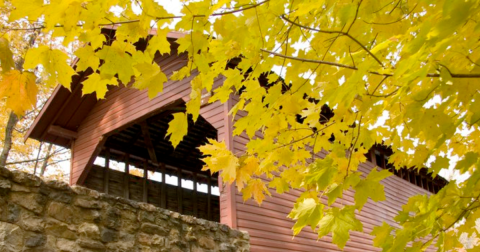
column 31, row 201
column 6, row 173
column 5, row 184
column 121, row 246
column 58, row 185
column 20, row 188
column 206, row 242
column 111, row 218
column 89, row 230
column 59, row 229
column 86, row 203
column 89, row 215
column 144, row 216
column 60, row 196
column 62, row 212
column 26, row 179
column 153, row 229
column 32, row 223
column 13, row 212
column 35, row 240
column 108, row 235
column 11, row 237
column 65, row 245
column 91, row 244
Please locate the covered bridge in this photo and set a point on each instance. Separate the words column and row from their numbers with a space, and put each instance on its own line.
column 118, row 147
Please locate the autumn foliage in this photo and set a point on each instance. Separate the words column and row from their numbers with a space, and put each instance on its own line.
column 412, row 64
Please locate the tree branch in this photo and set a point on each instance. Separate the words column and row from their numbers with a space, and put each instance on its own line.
column 431, row 75
column 158, row 18
column 335, row 32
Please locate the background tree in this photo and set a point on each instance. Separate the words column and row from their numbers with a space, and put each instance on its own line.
column 16, row 153
column 414, row 63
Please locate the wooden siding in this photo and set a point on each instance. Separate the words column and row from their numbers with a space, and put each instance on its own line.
column 270, row 229
column 125, row 105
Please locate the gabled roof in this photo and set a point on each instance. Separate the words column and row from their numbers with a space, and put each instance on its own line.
column 64, row 111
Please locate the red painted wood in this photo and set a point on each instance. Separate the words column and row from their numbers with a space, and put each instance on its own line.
column 124, row 105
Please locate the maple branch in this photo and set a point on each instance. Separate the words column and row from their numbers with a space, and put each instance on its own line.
column 459, row 217
column 303, row 138
column 352, row 147
column 396, row 21
column 334, row 32
column 355, row 18
column 158, row 18
column 310, row 60
column 382, row 96
column 431, row 75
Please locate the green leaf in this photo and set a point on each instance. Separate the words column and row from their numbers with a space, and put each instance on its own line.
column 6, row 55
column 339, row 222
column 383, row 238
column 308, row 211
column 370, row 187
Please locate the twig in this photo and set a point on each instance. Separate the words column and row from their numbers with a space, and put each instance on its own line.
column 334, row 32
column 356, row 15
column 431, row 75
column 159, row 18
column 393, row 22
column 352, row 148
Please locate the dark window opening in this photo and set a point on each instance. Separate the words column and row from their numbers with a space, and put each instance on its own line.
column 137, row 162
column 419, row 177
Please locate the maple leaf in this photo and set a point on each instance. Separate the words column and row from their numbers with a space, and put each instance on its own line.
column 220, row 159
column 151, row 78
column 117, row 61
column 6, row 56
column 177, row 128
column 370, row 187
column 54, row 63
column 339, row 222
column 383, row 238
column 255, row 188
column 307, row 211
column 95, row 83
column 87, row 59
column 20, row 90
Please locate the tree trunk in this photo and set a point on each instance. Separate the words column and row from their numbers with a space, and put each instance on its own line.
column 45, row 161
column 7, row 144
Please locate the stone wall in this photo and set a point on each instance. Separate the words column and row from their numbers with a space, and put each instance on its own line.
column 37, row 215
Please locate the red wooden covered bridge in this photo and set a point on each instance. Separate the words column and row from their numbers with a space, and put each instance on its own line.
column 118, row 147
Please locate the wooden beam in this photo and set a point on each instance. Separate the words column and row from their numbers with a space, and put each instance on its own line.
column 106, row 173
column 174, row 162
column 164, row 110
column 163, row 193
column 62, row 132
column 145, row 182
column 60, row 111
column 127, row 178
column 195, row 200
column 88, row 166
column 148, row 142
column 209, row 199
column 179, row 191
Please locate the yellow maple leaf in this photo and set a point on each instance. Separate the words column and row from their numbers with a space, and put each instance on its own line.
column 20, row 91
column 220, row 158
column 255, row 188
column 177, row 128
